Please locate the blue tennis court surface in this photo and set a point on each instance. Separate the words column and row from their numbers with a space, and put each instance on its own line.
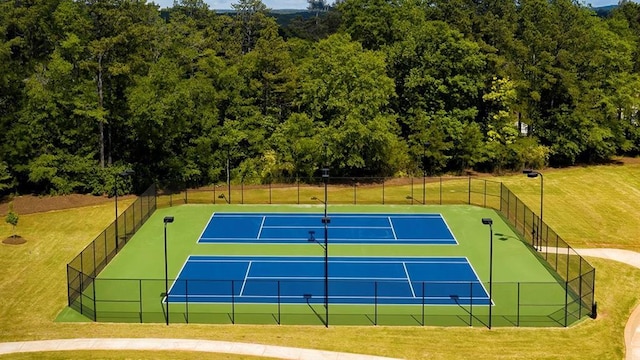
column 352, row 280
column 344, row 228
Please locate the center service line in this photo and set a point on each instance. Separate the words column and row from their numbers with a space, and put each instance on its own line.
column 246, row 275
column 392, row 229
column 404, row 265
column 261, row 227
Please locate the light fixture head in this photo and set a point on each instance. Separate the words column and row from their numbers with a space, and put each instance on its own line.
column 487, row 221
column 168, row 219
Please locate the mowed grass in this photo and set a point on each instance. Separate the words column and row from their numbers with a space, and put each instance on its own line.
column 594, row 206
column 33, row 286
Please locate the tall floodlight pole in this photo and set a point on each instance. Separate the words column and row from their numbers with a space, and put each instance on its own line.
column 124, row 173
column 229, row 175
column 167, row 220
column 489, row 221
column 424, row 172
column 533, row 174
column 326, row 221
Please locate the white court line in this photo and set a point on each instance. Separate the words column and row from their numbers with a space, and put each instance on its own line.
column 404, row 265
column 235, row 259
column 261, row 227
column 246, row 275
column 321, row 227
column 206, row 226
column 479, row 281
column 177, row 278
column 403, row 279
column 392, row 229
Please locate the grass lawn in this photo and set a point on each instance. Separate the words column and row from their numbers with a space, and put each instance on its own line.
column 586, row 206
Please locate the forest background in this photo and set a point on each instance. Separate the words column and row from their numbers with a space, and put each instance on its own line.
column 368, row 87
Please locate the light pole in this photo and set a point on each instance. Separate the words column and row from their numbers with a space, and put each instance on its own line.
column 167, row 220
column 532, row 174
column 424, row 171
column 125, row 173
column 326, row 221
column 489, row 221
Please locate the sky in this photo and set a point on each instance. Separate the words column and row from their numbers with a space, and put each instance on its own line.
column 302, row 4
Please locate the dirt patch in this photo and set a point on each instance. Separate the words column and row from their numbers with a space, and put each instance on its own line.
column 14, row 240
column 29, row 204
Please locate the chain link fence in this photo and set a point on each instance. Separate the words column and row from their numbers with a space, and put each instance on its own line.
column 564, row 302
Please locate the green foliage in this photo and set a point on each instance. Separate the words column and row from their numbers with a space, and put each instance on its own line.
column 86, row 87
column 12, row 218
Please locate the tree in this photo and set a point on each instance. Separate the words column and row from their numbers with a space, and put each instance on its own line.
column 250, row 19
column 346, row 89
column 12, row 219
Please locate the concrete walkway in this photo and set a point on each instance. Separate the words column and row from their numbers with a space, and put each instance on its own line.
column 631, row 335
column 277, row 352
column 632, row 329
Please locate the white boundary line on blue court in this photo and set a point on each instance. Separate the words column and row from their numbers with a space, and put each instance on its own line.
column 393, row 230
column 480, row 281
column 261, row 227
column 342, row 241
column 448, row 228
column 338, row 214
column 205, row 227
column 246, row 276
column 404, row 265
column 416, row 258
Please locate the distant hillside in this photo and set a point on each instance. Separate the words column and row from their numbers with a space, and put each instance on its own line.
column 604, row 11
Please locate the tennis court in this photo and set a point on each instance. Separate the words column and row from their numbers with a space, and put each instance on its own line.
column 352, row 280
column 344, row 228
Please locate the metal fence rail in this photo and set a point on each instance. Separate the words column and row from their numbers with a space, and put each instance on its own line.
column 575, row 276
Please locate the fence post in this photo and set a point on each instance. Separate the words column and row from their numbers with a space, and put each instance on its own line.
column 186, row 300
column 484, row 202
column 233, row 304
column 95, row 308
column 354, row 191
column 68, row 286
column 298, row 187
column 518, row 307
column 279, row 313
column 375, row 302
column 469, row 191
column 186, row 195
column 383, row 179
column 269, row 191
column 140, row 298
column 440, row 190
column 423, row 303
column 411, row 189
column 471, row 304
column 566, row 303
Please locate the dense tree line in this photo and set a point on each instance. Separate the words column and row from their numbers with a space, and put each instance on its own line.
column 370, row 87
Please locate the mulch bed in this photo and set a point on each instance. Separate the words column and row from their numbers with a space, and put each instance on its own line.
column 14, row 240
